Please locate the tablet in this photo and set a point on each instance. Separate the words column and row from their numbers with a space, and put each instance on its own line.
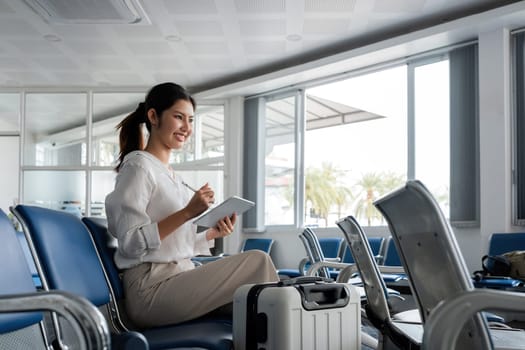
column 231, row 205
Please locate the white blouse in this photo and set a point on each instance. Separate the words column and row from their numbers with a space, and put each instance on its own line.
column 147, row 191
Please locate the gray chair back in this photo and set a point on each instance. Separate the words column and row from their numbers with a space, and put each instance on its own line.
column 373, row 284
column 313, row 250
column 430, row 255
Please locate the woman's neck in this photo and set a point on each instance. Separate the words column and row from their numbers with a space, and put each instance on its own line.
column 162, row 154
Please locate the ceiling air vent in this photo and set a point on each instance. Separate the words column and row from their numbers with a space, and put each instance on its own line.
column 90, row 12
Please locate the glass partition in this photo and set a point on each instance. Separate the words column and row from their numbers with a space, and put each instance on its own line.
column 102, row 183
column 108, row 110
column 60, row 190
column 197, row 178
column 207, row 140
column 55, row 129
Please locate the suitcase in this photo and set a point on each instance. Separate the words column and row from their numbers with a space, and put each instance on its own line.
column 305, row 313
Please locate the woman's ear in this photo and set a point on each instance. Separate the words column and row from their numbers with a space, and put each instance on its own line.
column 152, row 117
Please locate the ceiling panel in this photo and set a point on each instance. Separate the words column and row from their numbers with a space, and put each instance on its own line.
column 207, row 41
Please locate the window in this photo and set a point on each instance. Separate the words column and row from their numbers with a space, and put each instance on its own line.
column 55, row 129
column 108, row 110
column 432, row 129
column 202, row 159
column 363, row 136
column 360, row 151
column 70, row 143
column 279, row 182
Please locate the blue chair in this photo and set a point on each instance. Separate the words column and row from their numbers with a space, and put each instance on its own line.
column 500, row 243
column 331, row 248
column 376, row 244
column 391, row 256
column 207, row 333
column 29, row 259
column 18, row 293
column 70, row 261
column 264, row 244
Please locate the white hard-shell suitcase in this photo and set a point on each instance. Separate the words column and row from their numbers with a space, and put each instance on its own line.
column 304, row 314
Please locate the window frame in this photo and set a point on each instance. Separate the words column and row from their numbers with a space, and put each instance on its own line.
column 411, row 63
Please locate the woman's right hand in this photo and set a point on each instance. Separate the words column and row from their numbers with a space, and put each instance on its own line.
column 201, row 201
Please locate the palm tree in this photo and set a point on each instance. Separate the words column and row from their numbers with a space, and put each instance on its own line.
column 323, row 190
column 371, row 186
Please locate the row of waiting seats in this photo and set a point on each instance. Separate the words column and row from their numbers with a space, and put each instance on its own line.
column 69, row 254
column 72, row 257
column 450, row 313
column 335, row 249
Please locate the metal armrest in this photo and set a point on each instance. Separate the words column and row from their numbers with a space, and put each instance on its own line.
column 439, row 333
column 391, row 269
column 333, row 259
column 347, row 273
column 312, row 270
column 302, row 264
column 85, row 319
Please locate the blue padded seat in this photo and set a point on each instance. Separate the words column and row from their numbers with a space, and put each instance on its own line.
column 376, row 244
column 331, row 247
column 205, row 333
column 17, row 279
column 71, row 262
column 500, row 243
column 264, row 244
column 15, row 276
column 391, row 256
column 29, row 259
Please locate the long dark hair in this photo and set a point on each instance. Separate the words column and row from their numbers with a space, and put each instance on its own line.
column 160, row 98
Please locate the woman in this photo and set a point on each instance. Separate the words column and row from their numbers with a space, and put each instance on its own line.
column 150, row 213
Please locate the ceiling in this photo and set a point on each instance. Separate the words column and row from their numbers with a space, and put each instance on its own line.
column 203, row 44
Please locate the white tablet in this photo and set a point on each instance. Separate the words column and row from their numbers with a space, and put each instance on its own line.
column 231, row 205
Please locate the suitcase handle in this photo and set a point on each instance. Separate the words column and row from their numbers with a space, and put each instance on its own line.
column 324, row 296
column 304, row 279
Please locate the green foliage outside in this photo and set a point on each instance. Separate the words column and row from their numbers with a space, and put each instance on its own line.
column 327, row 194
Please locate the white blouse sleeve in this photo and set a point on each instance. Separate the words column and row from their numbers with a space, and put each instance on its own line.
column 126, row 211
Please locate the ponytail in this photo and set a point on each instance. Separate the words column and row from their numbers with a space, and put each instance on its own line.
column 131, row 137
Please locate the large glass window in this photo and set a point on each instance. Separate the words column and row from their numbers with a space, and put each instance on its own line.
column 202, row 158
column 78, row 172
column 355, row 145
column 108, row 110
column 102, row 183
column 432, row 129
column 207, row 140
column 60, row 190
column 279, row 182
column 348, row 142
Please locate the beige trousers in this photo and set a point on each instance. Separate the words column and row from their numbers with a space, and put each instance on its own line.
column 160, row 294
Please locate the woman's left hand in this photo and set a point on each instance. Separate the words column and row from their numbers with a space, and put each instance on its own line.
column 224, row 227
